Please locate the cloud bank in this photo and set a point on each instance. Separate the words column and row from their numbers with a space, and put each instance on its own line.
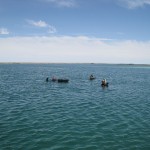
column 69, row 49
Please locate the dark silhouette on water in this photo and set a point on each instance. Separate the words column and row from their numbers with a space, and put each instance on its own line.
column 104, row 83
column 92, row 77
column 47, row 79
column 60, row 80
column 63, row 80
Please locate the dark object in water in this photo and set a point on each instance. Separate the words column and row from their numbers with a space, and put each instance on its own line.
column 92, row 78
column 46, row 79
column 60, row 80
column 63, row 80
column 105, row 85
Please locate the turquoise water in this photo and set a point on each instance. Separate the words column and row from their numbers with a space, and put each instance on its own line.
column 79, row 115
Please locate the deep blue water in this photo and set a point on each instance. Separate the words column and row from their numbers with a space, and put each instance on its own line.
column 79, row 115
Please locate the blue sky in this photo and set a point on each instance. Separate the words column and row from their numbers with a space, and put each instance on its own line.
column 101, row 31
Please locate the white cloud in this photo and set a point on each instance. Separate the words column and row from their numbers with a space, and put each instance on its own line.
column 4, row 31
column 42, row 24
column 72, row 49
column 63, row 3
column 131, row 4
column 51, row 29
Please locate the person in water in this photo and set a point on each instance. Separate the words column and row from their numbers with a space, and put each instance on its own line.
column 104, row 82
column 47, row 79
column 91, row 76
column 54, row 78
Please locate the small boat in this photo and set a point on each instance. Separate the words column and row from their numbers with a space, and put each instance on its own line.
column 59, row 80
column 92, row 78
column 63, row 80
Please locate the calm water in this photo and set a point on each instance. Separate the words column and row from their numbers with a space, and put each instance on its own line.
column 79, row 115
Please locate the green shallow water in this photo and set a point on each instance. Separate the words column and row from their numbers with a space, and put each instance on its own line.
column 79, row 115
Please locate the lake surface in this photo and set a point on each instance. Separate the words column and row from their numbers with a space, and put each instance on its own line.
column 79, row 115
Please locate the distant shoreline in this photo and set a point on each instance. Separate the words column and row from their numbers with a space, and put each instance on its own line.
column 130, row 64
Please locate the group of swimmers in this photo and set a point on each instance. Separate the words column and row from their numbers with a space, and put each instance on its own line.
column 103, row 82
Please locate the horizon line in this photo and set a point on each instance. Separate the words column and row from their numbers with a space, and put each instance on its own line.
column 74, row 63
